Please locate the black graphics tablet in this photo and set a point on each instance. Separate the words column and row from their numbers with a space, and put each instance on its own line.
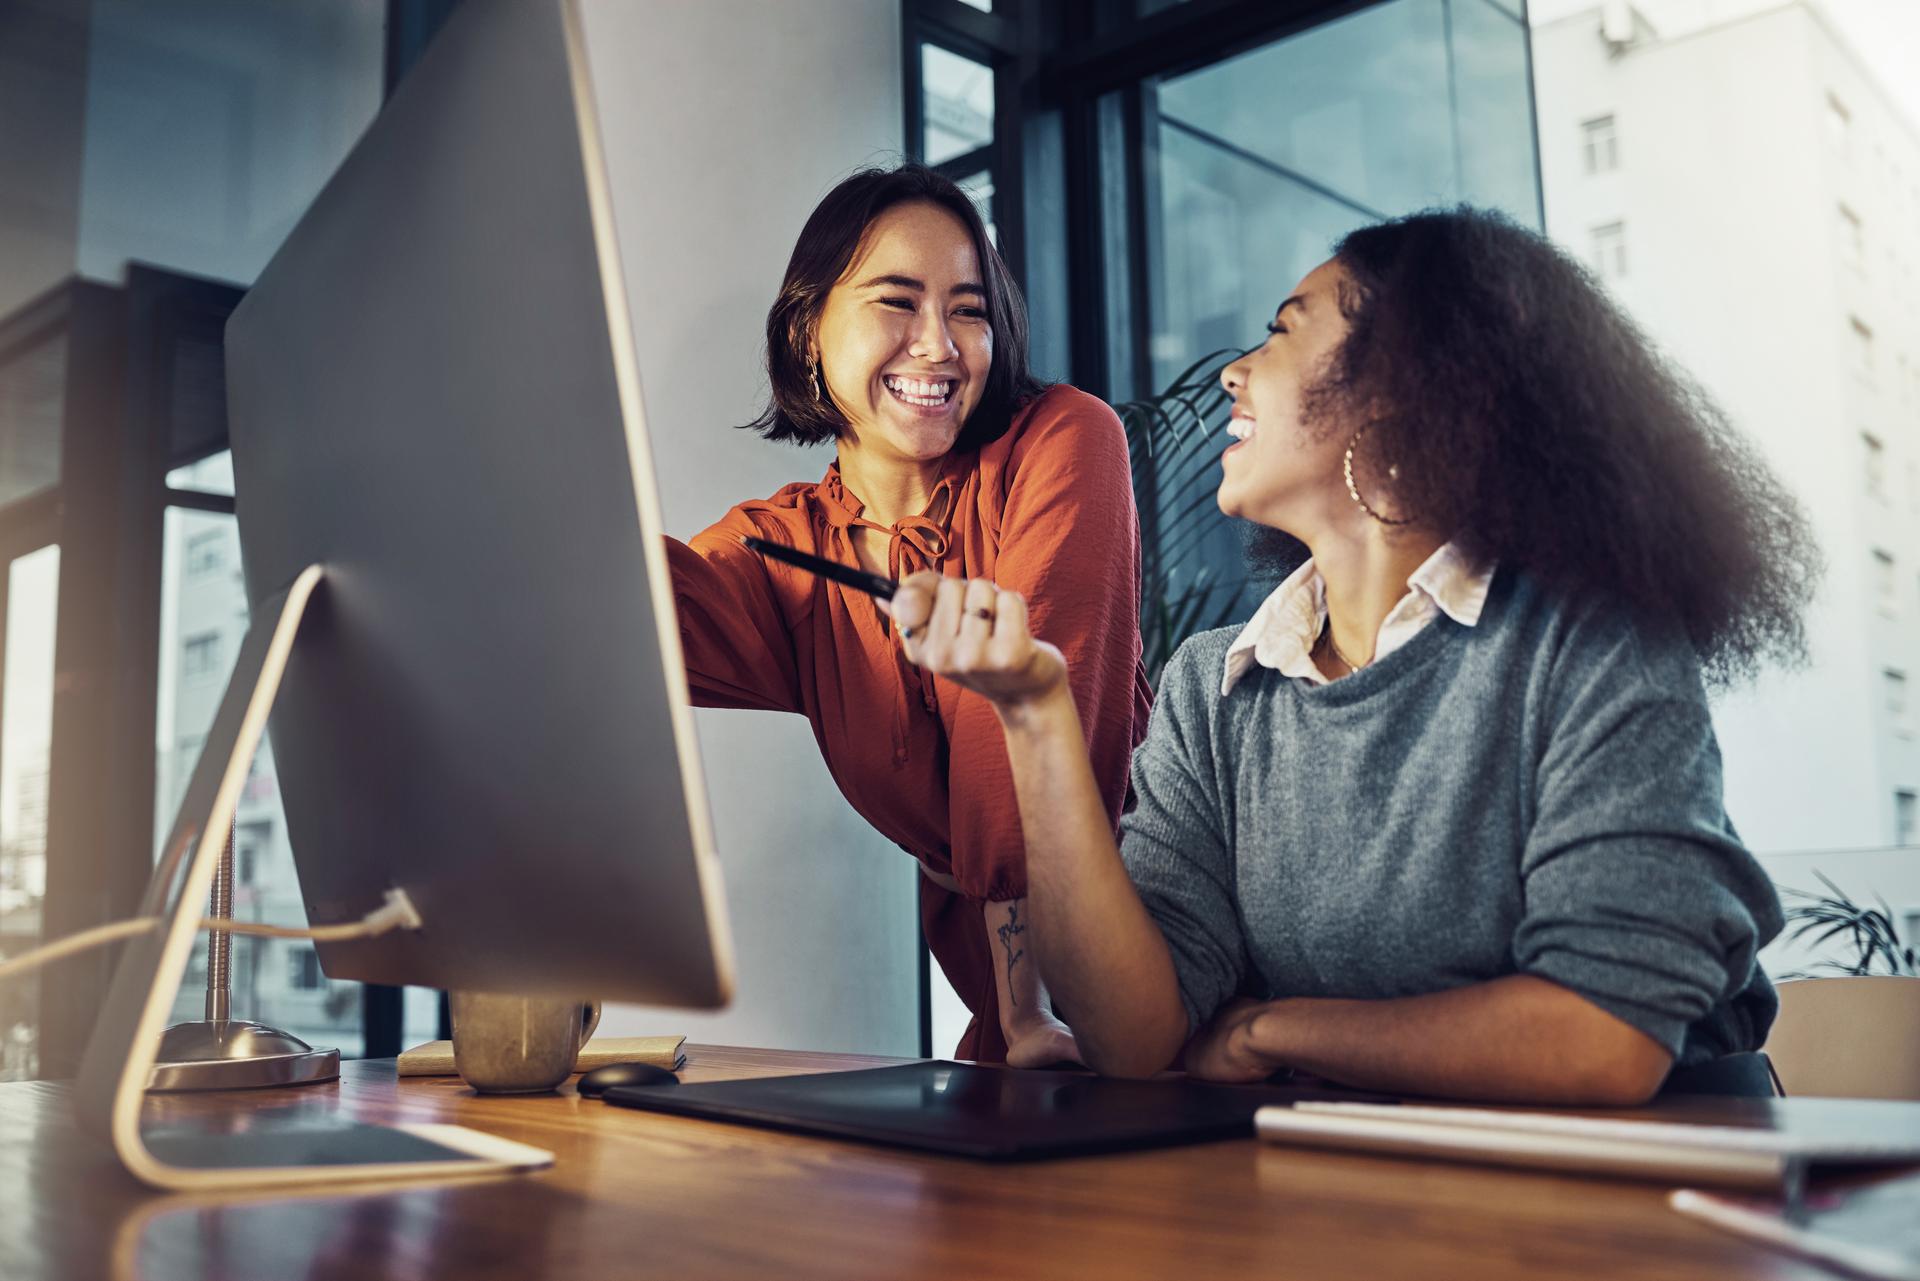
column 991, row 1113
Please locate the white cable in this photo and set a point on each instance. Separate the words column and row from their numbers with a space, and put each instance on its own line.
column 99, row 936
column 396, row 913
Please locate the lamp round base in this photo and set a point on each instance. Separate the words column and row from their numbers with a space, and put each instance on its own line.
column 234, row 1054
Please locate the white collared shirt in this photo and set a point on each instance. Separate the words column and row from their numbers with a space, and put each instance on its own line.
column 1283, row 631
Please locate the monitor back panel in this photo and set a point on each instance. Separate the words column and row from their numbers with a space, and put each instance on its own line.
column 432, row 394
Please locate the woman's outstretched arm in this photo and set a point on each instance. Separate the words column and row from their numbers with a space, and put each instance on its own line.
column 1109, row 965
column 1099, row 953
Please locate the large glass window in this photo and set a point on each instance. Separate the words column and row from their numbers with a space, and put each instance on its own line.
column 186, row 136
column 203, row 618
column 31, row 586
column 1266, row 158
column 1256, row 165
column 980, row 187
column 1357, row 107
column 1492, row 109
column 958, row 104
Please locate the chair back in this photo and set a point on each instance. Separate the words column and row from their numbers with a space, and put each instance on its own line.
column 1852, row 1037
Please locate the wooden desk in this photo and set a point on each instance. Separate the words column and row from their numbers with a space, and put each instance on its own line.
column 641, row 1195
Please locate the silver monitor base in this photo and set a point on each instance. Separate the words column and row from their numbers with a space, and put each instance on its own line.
column 129, row 1039
column 234, row 1054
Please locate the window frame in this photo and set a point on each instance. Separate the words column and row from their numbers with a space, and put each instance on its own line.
column 1608, row 240
column 1853, row 237
column 1595, row 131
column 1861, row 346
column 1874, row 466
column 1886, row 583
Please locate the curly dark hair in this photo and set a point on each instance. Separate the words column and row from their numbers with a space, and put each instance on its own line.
column 1531, row 420
column 826, row 246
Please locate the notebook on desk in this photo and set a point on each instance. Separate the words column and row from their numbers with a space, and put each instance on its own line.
column 435, row 1058
column 1762, row 1149
column 990, row 1113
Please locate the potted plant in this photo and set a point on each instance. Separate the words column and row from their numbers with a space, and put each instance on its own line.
column 1878, row 947
column 1855, row 1034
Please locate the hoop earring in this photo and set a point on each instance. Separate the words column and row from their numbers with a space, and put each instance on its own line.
column 1353, row 489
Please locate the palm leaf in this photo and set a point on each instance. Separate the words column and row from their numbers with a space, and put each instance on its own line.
column 1170, row 441
column 1872, row 934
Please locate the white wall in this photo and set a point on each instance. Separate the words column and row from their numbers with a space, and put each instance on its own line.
column 1728, row 187
column 724, row 122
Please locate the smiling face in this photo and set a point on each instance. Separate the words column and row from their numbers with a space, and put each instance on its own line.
column 1281, row 471
column 903, row 338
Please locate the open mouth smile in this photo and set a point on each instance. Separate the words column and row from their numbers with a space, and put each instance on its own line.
column 1240, row 428
column 922, row 393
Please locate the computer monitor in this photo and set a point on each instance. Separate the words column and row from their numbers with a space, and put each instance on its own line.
column 478, row 695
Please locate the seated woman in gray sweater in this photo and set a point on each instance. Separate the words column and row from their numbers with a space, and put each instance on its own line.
column 1445, row 817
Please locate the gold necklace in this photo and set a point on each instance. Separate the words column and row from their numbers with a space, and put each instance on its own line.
column 1334, row 645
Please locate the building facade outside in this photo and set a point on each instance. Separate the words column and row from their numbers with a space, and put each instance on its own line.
column 1751, row 196
column 204, row 618
column 26, row 731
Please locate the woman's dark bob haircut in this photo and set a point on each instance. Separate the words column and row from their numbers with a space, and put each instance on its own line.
column 1527, row 417
column 825, row 249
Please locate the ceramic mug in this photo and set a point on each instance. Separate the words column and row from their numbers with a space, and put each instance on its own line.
column 518, row 1044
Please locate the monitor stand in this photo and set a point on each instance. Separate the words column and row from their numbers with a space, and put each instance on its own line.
column 306, row 1145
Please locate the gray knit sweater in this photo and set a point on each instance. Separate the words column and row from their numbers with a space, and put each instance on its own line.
column 1537, row 794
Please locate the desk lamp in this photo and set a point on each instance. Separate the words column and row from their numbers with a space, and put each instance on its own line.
column 220, row 1052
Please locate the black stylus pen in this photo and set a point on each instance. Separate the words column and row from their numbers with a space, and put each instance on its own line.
column 860, row 579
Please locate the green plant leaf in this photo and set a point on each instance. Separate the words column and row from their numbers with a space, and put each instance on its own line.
column 1170, row 442
column 1872, row 934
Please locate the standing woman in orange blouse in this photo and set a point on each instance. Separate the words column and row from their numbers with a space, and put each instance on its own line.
column 898, row 335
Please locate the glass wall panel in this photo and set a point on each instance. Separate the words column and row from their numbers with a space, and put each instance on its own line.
column 26, row 735
column 957, row 101
column 202, row 621
column 980, row 187
column 210, row 124
column 1358, row 106
column 1122, row 262
column 1235, row 237
column 1497, row 161
column 1256, row 165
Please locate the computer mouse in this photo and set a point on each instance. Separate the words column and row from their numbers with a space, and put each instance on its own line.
column 597, row 1082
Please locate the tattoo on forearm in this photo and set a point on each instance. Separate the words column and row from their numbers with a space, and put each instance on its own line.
column 1008, row 933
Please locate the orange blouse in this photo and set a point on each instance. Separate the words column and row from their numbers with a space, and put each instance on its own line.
column 1047, row 511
